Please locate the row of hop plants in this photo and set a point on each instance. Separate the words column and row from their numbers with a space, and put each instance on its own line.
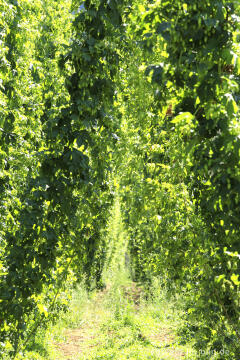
column 180, row 172
column 57, row 71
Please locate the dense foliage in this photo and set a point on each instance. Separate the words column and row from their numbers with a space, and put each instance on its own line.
column 134, row 98
column 185, row 206
column 53, row 173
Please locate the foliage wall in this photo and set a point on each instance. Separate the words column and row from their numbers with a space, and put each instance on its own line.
column 180, row 184
column 56, row 91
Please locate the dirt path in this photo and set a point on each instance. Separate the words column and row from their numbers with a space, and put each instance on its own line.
column 77, row 342
column 82, row 340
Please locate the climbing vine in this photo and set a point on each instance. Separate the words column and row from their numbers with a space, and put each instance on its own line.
column 62, row 87
column 183, row 208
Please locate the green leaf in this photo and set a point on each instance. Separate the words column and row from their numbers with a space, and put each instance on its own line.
column 183, row 117
column 43, row 310
column 235, row 280
column 220, row 278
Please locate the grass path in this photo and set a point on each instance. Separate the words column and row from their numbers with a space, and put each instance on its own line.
column 119, row 324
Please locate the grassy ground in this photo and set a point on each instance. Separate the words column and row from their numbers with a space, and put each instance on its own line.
column 117, row 323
